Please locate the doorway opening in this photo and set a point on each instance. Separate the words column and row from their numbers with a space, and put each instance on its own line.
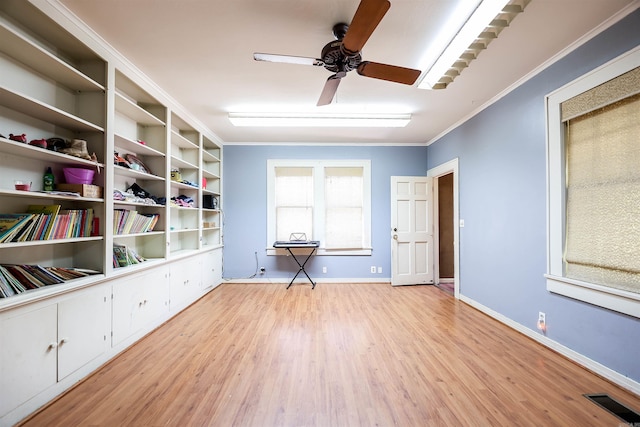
column 446, row 226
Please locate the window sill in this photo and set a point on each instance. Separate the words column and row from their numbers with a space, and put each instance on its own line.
column 322, row 252
column 602, row 296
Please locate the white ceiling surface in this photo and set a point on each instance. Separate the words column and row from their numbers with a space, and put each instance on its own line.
column 201, row 53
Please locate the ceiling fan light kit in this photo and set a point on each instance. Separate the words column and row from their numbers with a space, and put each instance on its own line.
column 483, row 26
column 319, row 120
column 344, row 54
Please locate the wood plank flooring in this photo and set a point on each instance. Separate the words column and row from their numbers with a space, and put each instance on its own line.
column 339, row 355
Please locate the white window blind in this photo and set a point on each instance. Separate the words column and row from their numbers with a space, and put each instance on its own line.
column 344, row 198
column 603, row 196
column 294, row 201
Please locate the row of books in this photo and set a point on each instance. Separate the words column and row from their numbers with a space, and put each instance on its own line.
column 124, row 256
column 46, row 222
column 131, row 222
column 15, row 279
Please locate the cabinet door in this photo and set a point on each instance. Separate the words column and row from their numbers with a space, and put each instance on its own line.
column 155, row 304
column 27, row 355
column 83, row 327
column 186, row 278
column 138, row 301
column 212, row 268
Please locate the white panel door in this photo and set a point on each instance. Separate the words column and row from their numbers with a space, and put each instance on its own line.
column 411, row 230
column 28, row 355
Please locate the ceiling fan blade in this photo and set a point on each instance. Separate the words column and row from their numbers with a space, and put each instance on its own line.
column 364, row 22
column 329, row 90
column 392, row 73
column 287, row 59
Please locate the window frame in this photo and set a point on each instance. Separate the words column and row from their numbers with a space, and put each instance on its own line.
column 318, row 166
column 603, row 296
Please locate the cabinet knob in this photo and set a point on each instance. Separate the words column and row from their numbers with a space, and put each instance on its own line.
column 64, row 341
column 52, row 345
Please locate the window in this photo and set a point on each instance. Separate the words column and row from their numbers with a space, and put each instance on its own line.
column 328, row 200
column 594, row 187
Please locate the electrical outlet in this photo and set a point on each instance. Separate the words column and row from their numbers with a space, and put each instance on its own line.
column 379, row 270
column 542, row 321
column 324, row 269
column 262, row 270
column 373, row 269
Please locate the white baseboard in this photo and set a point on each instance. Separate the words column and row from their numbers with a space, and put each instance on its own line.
column 592, row 365
column 285, row 281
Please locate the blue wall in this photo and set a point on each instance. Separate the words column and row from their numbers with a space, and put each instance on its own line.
column 245, row 208
column 502, row 183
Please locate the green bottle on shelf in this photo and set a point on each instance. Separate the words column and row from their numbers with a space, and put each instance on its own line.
column 47, row 180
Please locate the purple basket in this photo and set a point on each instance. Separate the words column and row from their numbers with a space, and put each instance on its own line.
column 78, row 175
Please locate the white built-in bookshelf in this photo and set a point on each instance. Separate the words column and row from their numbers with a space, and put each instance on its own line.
column 56, row 81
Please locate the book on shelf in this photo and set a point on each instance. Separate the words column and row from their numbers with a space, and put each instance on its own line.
column 21, row 235
column 16, row 279
column 127, row 221
column 124, row 256
column 24, row 277
column 50, row 212
column 72, row 223
column 10, row 224
column 46, row 222
column 11, row 281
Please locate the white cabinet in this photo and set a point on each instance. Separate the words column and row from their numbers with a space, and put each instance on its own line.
column 186, row 280
column 139, row 302
column 43, row 345
column 212, row 268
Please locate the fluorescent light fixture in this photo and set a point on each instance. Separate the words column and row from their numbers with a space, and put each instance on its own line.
column 472, row 29
column 319, row 120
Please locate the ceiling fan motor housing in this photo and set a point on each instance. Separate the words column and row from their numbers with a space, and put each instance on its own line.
column 334, row 56
column 335, row 59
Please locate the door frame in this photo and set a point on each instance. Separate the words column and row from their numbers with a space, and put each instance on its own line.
column 436, row 172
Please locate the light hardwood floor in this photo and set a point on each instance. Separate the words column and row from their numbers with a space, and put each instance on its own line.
column 339, row 355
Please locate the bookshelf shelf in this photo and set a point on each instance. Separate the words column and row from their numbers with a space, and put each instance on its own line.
column 19, row 149
column 20, row 48
column 46, row 196
column 44, row 112
column 129, row 235
column 136, row 147
column 177, row 162
column 149, row 263
column 136, row 112
column 49, row 242
column 136, row 204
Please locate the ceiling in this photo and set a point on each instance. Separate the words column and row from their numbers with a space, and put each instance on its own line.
column 201, row 53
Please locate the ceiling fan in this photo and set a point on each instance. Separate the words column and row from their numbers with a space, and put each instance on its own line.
column 344, row 54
